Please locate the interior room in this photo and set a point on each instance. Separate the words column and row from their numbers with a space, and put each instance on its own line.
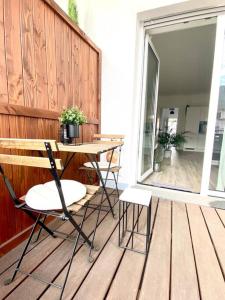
column 186, row 54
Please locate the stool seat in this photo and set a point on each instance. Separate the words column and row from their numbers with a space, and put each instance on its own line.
column 136, row 196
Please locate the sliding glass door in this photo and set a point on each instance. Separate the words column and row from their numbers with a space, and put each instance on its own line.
column 213, row 181
column 148, row 115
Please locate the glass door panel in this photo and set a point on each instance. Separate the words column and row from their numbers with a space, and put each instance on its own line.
column 217, row 172
column 213, row 179
column 149, row 105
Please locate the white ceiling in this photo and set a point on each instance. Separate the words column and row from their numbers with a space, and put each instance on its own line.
column 186, row 60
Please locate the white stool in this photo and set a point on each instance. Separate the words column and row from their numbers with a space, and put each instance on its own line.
column 134, row 197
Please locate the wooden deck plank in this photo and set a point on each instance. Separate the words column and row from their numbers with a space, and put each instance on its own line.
column 115, row 274
column 81, row 265
column 35, row 257
column 217, row 233
column 184, row 282
column 102, row 271
column 221, row 213
column 156, row 280
column 11, row 257
column 31, row 261
column 49, row 269
column 127, row 279
column 209, row 273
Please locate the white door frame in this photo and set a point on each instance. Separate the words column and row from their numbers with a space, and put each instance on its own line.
column 148, row 41
column 213, row 106
column 168, row 15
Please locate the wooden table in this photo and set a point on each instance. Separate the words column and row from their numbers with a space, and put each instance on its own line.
column 92, row 151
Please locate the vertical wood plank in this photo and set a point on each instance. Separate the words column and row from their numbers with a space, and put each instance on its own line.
column 3, row 70
column 40, row 54
column 60, row 62
column 51, row 58
column 29, row 75
column 68, row 67
column 75, row 69
column 13, row 50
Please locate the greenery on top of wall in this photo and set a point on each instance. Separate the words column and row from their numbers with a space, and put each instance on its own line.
column 72, row 11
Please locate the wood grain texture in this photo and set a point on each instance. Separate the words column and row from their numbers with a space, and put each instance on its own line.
column 3, row 74
column 43, row 69
column 160, row 249
column 184, row 282
column 211, row 280
column 13, row 51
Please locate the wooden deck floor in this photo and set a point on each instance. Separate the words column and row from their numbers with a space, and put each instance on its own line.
column 186, row 260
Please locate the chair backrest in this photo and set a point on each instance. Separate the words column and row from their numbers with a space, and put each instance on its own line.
column 29, row 144
column 40, row 161
column 111, row 139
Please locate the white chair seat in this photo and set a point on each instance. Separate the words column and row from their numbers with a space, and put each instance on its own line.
column 46, row 196
column 102, row 165
column 136, row 196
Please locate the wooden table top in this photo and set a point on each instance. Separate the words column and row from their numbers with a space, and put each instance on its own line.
column 89, row 148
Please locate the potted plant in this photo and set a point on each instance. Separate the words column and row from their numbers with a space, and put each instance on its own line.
column 164, row 139
column 178, row 140
column 70, row 119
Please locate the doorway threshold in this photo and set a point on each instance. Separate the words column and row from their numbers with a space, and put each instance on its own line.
column 183, row 196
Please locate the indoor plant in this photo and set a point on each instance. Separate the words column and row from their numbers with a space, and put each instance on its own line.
column 164, row 139
column 70, row 119
column 178, row 140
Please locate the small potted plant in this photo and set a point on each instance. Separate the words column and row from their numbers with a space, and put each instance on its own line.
column 70, row 119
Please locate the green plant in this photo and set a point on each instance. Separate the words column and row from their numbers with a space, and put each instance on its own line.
column 72, row 11
column 178, row 139
column 72, row 115
column 164, row 139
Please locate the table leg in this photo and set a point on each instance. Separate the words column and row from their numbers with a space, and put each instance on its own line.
column 95, row 165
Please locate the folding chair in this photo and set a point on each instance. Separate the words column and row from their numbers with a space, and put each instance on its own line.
column 58, row 198
column 104, row 163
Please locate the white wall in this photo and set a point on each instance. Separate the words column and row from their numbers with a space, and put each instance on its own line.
column 112, row 26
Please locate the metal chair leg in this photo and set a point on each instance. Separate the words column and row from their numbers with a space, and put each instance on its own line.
column 73, row 252
column 78, row 228
column 116, row 184
column 40, row 230
column 8, row 281
column 91, row 259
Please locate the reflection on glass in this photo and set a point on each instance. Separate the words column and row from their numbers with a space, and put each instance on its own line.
column 217, row 175
column 149, row 112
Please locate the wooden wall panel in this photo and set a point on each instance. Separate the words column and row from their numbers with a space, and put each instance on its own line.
column 46, row 63
column 13, row 51
column 51, row 59
column 39, row 39
column 3, row 71
column 29, row 74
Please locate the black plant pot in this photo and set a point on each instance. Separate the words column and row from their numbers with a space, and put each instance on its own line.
column 64, row 137
column 73, row 131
